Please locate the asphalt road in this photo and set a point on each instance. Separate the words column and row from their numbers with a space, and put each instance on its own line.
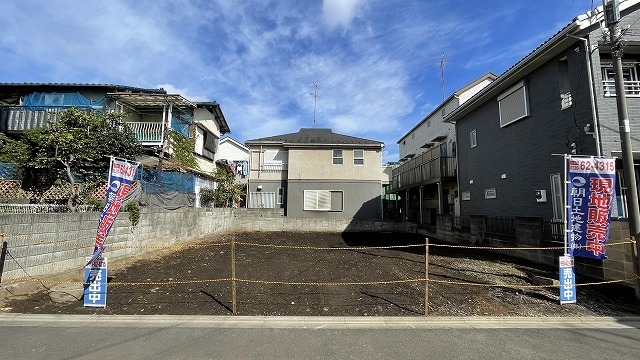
column 229, row 337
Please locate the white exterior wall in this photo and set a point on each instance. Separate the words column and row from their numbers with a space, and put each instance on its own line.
column 231, row 151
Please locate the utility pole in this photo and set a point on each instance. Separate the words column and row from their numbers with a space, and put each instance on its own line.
column 612, row 18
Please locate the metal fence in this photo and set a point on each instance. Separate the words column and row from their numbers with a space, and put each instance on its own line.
column 500, row 225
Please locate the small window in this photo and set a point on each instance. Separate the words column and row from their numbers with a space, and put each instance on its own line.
column 466, row 195
column 337, row 157
column 513, row 104
column 280, row 195
column 428, row 122
column 629, row 77
column 473, row 138
column 490, row 193
column 557, row 192
column 358, row 157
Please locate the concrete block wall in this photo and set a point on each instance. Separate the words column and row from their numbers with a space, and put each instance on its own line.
column 45, row 244
column 617, row 266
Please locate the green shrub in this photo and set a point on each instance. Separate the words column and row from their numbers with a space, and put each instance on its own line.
column 133, row 209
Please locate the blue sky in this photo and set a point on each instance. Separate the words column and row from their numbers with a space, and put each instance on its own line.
column 376, row 62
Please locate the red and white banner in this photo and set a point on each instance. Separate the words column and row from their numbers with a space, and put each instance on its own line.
column 120, row 179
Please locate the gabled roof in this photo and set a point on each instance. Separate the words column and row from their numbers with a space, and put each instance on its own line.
column 488, row 76
column 314, row 137
column 558, row 43
column 231, row 140
column 215, row 109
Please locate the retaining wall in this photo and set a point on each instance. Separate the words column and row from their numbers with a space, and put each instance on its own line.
column 45, row 244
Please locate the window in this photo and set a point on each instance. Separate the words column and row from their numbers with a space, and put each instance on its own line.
column 473, row 140
column 358, row 157
column 564, row 84
column 261, row 199
column 490, row 193
column 280, row 195
column 629, row 76
column 466, row 195
column 337, row 157
column 557, row 193
column 323, row 200
column 513, row 104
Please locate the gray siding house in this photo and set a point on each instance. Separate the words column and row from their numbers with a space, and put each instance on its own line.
column 317, row 173
column 559, row 99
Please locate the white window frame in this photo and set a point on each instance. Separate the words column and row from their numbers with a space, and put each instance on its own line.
column 473, row 138
column 631, row 86
column 340, row 158
column 361, row 157
column 317, row 194
column 490, row 193
column 509, row 94
column 466, row 195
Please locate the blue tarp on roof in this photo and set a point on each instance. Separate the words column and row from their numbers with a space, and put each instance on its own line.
column 39, row 100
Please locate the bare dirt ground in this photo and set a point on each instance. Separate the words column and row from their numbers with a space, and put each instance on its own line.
column 180, row 289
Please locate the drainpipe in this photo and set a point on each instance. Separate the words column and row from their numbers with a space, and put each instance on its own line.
column 406, row 205
column 594, row 109
column 420, row 191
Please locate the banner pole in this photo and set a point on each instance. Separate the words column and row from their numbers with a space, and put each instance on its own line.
column 567, row 206
column 426, row 277
column 233, row 276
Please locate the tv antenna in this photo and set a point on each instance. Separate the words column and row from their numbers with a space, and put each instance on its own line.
column 442, row 74
column 315, row 101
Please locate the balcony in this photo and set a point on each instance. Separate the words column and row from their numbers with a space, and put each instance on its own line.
column 147, row 133
column 17, row 119
column 631, row 88
column 423, row 169
column 274, row 167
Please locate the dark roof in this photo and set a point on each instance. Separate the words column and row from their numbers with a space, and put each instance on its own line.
column 563, row 39
column 108, row 86
column 308, row 136
column 215, row 109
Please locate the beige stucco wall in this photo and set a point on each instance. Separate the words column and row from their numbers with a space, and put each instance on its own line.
column 206, row 119
column 257, row 161
column 305, row 163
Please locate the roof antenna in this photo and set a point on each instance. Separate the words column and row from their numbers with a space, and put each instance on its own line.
column 442, row 75
column 315, row 101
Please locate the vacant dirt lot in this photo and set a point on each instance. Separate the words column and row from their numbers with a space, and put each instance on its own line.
column 180, row 288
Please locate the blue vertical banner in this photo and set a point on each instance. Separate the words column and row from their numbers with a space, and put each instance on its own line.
column 590, row 195
column 121, row 176
column 95, row 282
column 567, row 280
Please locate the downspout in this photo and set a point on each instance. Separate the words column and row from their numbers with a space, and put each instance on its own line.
column 594, row 109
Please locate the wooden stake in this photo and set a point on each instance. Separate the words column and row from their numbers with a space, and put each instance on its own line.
column 426, row 277
column 233, row 276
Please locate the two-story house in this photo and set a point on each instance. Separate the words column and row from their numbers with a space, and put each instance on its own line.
column 559, row 99
column 150, row 113
column 317, row 173
column 238, row 155
column 426, row 177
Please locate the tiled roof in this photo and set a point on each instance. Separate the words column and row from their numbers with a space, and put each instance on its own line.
column 308, row 136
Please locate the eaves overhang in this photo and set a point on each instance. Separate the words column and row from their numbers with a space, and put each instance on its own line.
column 551, row 48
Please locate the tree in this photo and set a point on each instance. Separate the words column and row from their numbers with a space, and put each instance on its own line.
column 76, row 147
column 228, row 192
column 13, row 152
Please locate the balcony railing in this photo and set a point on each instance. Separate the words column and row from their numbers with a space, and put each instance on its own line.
column 148, row 133
column 22, row 118
column 631, row 88
column 273, row 167
column 422, row 170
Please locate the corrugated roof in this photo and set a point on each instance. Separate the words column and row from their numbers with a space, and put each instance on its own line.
column 308, row 136
column 120, row 87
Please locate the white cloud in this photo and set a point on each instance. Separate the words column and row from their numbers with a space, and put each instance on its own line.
column 339, row 12
column 185, row 92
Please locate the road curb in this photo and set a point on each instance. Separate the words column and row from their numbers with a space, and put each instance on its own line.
column 319, row 322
